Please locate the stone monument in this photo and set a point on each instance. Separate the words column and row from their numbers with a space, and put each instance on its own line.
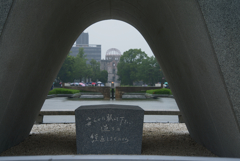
column 109, row 129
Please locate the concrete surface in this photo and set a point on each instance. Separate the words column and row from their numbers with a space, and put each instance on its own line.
column 5, row 6
column 196, row 43
column 121, row 90
column 60, row 139
column 160, row 104
column 104, row 90
column 113, row 158
column 155, row 110
column 223, row 22
column 92, row 96
column 133, row 96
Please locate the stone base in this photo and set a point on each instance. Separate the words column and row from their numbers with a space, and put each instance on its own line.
column 109, row 129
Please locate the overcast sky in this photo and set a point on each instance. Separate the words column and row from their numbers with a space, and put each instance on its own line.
column 116, row 34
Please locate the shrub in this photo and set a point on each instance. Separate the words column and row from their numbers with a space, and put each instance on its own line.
column 159, row 91
column 126, row 85
column 63, row 91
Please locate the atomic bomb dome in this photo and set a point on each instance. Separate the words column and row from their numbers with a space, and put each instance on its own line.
column 113, row 51
column 112, row 58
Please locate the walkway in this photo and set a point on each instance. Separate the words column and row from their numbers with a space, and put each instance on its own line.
column 65, row 103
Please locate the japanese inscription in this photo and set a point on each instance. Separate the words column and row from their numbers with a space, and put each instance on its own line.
column 105, row 126
column 109, row 129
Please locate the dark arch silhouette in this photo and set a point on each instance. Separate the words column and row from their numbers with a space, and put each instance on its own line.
column 194, row 42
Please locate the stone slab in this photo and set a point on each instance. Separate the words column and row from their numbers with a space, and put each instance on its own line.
column 109, row 129
column 113, row 158
column 133, row 96
column 92, row 96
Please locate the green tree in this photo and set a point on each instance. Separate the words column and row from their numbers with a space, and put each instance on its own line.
column 95, row 70
column 135, row 65
column 66, row 72
column 128, row 66
column 103, row 76
column 149, row 71
column 80, row 66
column 89, row 71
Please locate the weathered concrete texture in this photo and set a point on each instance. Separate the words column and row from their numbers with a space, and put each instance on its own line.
column 223, row 21
column 189, row 62
column 195, row 42
column 5, row 6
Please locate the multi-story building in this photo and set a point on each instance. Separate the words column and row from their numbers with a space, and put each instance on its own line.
column 112, row 58
column 91, row 51
column 83, row 39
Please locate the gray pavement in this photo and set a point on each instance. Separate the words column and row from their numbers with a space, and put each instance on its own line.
column 65, row 103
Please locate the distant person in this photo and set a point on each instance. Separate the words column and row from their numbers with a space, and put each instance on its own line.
column 51, row 88
column 167, row 86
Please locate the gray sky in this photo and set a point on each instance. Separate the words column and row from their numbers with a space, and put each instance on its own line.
column 116, row 34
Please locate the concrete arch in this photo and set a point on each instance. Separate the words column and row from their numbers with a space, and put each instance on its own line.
column 195, row 42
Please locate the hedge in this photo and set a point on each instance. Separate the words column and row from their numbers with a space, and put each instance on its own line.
column 159, row 91
column 63, row 91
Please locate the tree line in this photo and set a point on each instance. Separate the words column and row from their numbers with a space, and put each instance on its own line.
column 135, row 65
column 77, row 68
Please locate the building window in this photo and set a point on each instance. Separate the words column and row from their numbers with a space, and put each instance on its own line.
column 113, row 71
column 113, row 79
column 106, row 58
column 114, row 64
column 116, row 58
column 110, row 58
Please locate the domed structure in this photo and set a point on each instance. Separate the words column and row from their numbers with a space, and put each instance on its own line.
column 112, row 58
column 113, row 51
column 113, row 54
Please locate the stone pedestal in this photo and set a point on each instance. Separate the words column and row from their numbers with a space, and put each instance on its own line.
column 109, row 129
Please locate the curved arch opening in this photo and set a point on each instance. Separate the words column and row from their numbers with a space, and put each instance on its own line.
column 103, row 28
column 117, row 34
column 178, row 30
column 146, row 145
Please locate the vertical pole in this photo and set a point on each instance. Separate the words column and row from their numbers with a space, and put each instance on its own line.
column 112, row 93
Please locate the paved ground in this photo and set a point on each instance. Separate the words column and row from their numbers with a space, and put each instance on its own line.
column 158, row 139
column 65, row 103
